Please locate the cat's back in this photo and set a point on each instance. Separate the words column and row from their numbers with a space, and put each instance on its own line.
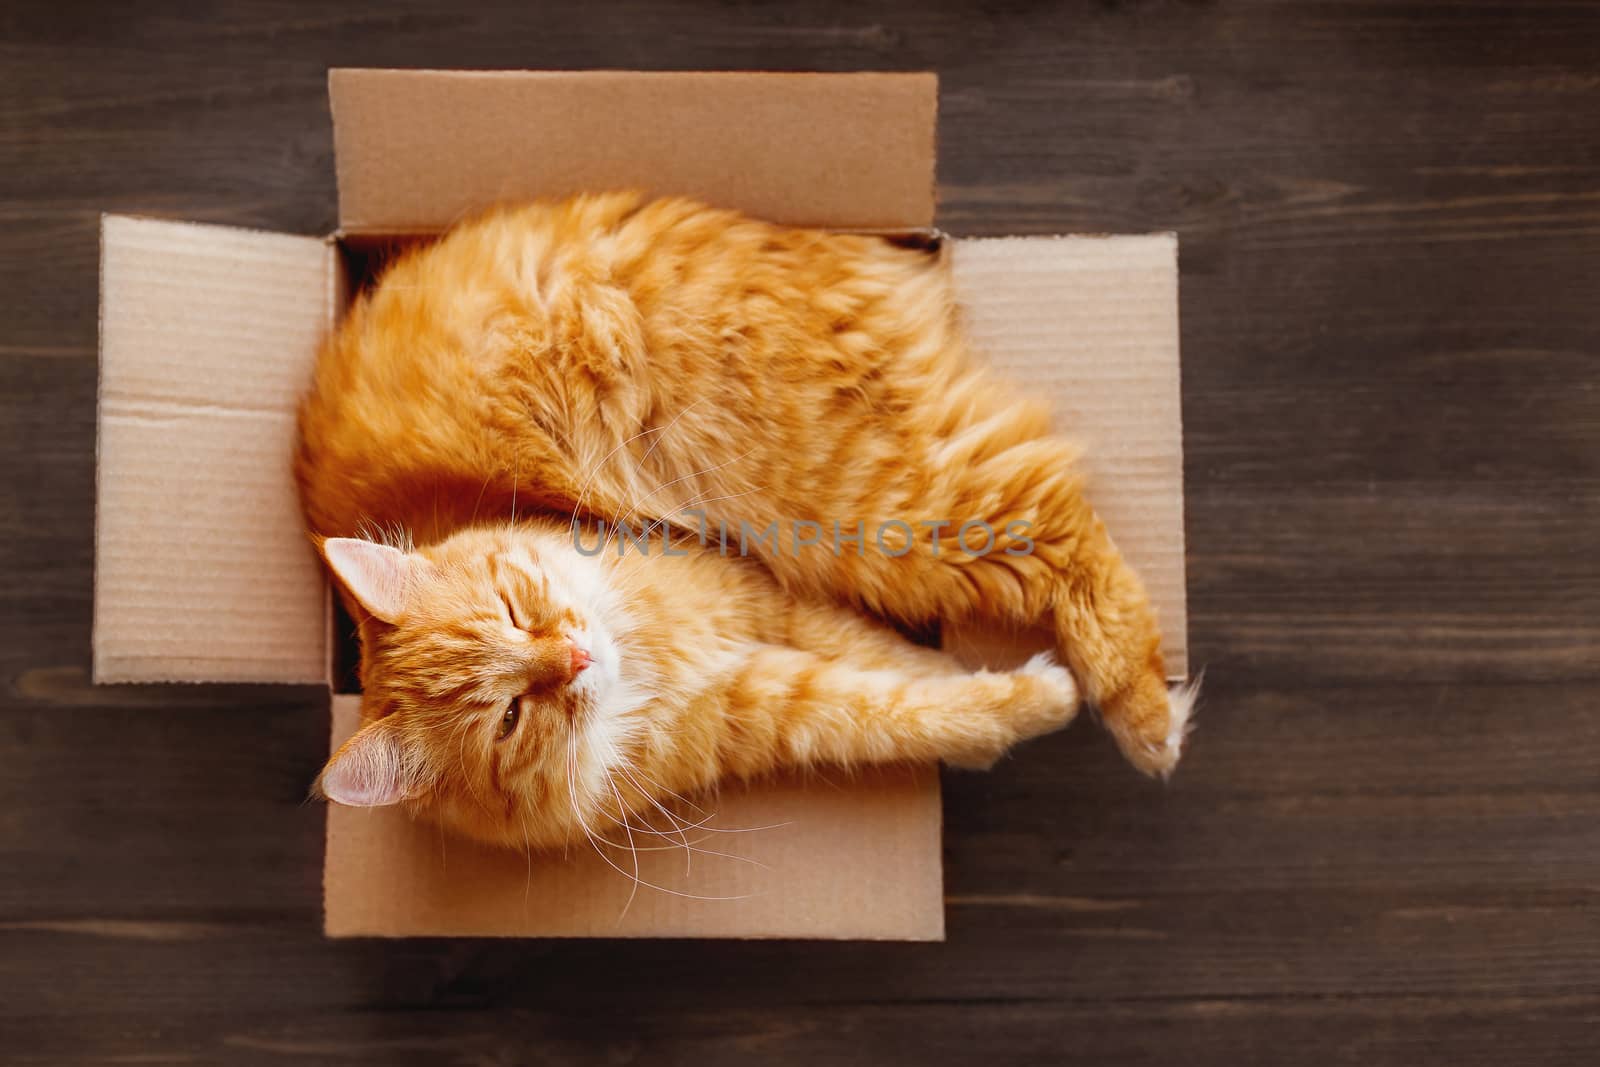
column 504, row 359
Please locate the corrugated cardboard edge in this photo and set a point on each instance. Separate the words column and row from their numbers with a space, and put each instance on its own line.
column 99, row 415
column 1189, row 669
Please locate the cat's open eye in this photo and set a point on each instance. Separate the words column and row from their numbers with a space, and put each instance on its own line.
column 508, row 721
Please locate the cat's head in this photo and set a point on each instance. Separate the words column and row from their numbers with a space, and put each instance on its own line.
column 489, row 675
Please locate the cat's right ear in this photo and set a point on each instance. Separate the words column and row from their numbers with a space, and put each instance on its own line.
column 369, row 771
column 379, row 577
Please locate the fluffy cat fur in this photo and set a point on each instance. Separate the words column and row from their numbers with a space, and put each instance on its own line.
column 611, row 358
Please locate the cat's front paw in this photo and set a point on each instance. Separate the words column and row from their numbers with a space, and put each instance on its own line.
column 1050, row 697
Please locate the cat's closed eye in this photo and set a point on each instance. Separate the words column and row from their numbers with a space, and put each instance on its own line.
column 511, row 612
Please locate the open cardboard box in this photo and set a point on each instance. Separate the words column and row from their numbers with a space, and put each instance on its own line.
column 208, row 336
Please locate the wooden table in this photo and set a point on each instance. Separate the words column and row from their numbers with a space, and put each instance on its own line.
column 1385, row 844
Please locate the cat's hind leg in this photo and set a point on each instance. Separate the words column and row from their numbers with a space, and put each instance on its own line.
column 1064, row 567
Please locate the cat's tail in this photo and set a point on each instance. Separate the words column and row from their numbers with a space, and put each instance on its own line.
column 1106, row 632
column 1150, row 726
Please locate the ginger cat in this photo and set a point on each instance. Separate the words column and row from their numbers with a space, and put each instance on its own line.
column 521, row 394
column 531, row 694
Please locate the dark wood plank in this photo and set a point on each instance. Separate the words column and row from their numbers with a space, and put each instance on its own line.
column 1384, row 845
column 1351, row 1032
column 1292, row 859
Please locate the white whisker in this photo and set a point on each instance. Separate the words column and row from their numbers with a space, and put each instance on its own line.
column 682, row 478
column 639, row 468
column 662, row 523
column 459, row 732
column 680, row 824
column 527, row 848
column 600, row 851
column 623, row 818
column 700, row 824
column 672, row 820
column 479, row 503
column 577, row 505
column 577, row 814
column 516, row 473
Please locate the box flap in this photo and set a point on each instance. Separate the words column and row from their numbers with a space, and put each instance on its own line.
column 418, row 149
column 202, row 571
column 826, row 858
column 1091, row 323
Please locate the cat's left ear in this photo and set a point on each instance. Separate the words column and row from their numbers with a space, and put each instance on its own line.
column 370, row 770
column 379, row 577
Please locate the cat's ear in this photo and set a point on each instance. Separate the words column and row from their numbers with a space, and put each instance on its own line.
column 379, row 577
column 370, row 770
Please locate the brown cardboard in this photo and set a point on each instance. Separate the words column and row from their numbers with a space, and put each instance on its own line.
column 202, row 568
column 209, row 334
column 418, row 149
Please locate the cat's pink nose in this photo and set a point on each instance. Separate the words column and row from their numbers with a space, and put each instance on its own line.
column 580, row 660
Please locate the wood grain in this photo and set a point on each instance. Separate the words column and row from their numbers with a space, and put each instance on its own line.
column 1385, row 844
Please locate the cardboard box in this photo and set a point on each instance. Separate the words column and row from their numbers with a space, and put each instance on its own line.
column 208, row 336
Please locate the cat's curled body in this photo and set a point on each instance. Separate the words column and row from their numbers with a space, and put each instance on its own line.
column 623, row 360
